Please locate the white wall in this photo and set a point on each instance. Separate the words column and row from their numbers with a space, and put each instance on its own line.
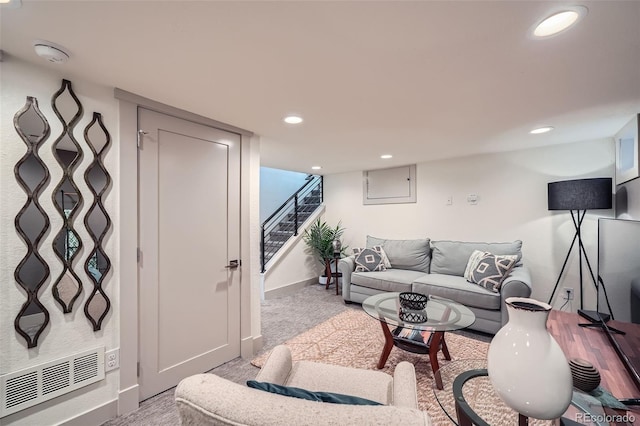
column 276, row 187
column 512, row 191
column 295, row 266
column 70, row 333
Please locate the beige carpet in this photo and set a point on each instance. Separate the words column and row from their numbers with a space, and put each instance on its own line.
column 354, row 339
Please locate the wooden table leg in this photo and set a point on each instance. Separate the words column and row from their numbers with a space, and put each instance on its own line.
column 337, row 277
column 445, row 350
column 328, row 274
column 388, row 345
column 434, row 346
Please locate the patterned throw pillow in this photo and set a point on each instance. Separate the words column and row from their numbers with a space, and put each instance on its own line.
column 368, row 260
column 385, row 259
column 475, row 257
column 492, row 271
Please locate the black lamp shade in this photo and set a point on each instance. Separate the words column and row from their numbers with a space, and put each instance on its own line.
column 580, row 194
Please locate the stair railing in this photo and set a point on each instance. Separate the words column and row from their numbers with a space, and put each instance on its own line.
column 286, row 220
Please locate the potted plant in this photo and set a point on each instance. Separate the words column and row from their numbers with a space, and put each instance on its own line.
column 319, row 237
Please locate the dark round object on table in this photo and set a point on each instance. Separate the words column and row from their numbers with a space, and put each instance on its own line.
column 414, row 317
column 585, row 376
column 411, row 300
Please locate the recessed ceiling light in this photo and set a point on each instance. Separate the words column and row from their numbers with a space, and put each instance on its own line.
column 559, row 21
column 386, row 156
column 293, row 119
column 540, row 130
column 316, row 167
column 10, row 4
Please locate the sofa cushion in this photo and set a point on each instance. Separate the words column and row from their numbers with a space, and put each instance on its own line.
column 491, row 271
column 333, row 398
column 370, row 384
column 368, row 259
column 389, row 280
column 458, row 290
column 451, row 257
column 414, row 255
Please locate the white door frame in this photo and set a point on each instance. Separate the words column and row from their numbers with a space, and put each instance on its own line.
column 250, row 336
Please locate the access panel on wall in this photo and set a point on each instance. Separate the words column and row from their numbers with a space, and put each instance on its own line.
column 389, row 186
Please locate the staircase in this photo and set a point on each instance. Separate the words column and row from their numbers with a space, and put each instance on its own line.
column 285, row 222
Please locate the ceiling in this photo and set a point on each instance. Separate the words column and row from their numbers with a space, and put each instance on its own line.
column 420, row 80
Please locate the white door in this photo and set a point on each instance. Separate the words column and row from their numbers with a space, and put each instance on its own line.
column 189, row 207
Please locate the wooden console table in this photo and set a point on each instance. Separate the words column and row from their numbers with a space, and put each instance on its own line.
column 593, row 345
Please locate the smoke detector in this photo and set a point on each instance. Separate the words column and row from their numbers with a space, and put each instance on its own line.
column 50, row 51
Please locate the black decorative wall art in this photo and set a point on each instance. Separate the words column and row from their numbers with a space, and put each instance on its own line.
column 31, row 221
column 66, row 196
column 97, row 221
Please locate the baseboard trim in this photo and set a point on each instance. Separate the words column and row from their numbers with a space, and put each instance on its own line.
column 246, row 347
column 258, row 344
column 128, row 400
column 96, row 416
column 289, row 289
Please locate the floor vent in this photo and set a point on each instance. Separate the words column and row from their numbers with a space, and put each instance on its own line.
column 31, row 386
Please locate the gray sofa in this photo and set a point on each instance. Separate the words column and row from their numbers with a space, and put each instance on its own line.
column 437, row 268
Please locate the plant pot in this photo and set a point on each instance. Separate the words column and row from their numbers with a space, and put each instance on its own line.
column 322, row 280
column 526, row 365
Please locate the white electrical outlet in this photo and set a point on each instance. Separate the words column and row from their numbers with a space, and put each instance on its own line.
column 568, row 293
column 112, row 359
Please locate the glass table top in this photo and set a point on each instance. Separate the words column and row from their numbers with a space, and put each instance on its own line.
column 487, row 407
column 439, row 314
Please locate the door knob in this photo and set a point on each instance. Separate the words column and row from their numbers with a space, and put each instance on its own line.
column 233, row 264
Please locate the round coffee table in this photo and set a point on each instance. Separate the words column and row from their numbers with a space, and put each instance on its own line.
column 423, row 331
column 468, row 398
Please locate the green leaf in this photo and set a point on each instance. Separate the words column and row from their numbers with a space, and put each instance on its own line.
column 319, row 238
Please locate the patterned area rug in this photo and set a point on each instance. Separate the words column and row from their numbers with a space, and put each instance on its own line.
column 354, row 339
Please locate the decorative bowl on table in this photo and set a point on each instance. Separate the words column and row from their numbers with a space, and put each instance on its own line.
column 413, row 301
column 585, row 376
column 412, row 316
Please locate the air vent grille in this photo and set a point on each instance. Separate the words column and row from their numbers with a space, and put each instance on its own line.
column 55, row 377
column 31, row 386
column 22, row 389
column 85, row 368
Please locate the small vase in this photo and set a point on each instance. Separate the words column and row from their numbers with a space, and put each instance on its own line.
column 526, row 365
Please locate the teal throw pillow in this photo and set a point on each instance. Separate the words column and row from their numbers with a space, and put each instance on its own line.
column 333, row 398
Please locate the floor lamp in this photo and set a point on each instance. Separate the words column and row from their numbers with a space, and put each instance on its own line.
column 578, row 196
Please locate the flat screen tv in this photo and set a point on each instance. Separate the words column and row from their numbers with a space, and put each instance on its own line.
column 618, row 268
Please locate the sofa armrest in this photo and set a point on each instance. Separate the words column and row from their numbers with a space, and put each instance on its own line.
column 346, row 266
column 277, row 367
column 517, row 284
column 405, row 393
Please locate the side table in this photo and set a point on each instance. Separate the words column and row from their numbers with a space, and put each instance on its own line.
column 334, row 277
column 468, row 398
